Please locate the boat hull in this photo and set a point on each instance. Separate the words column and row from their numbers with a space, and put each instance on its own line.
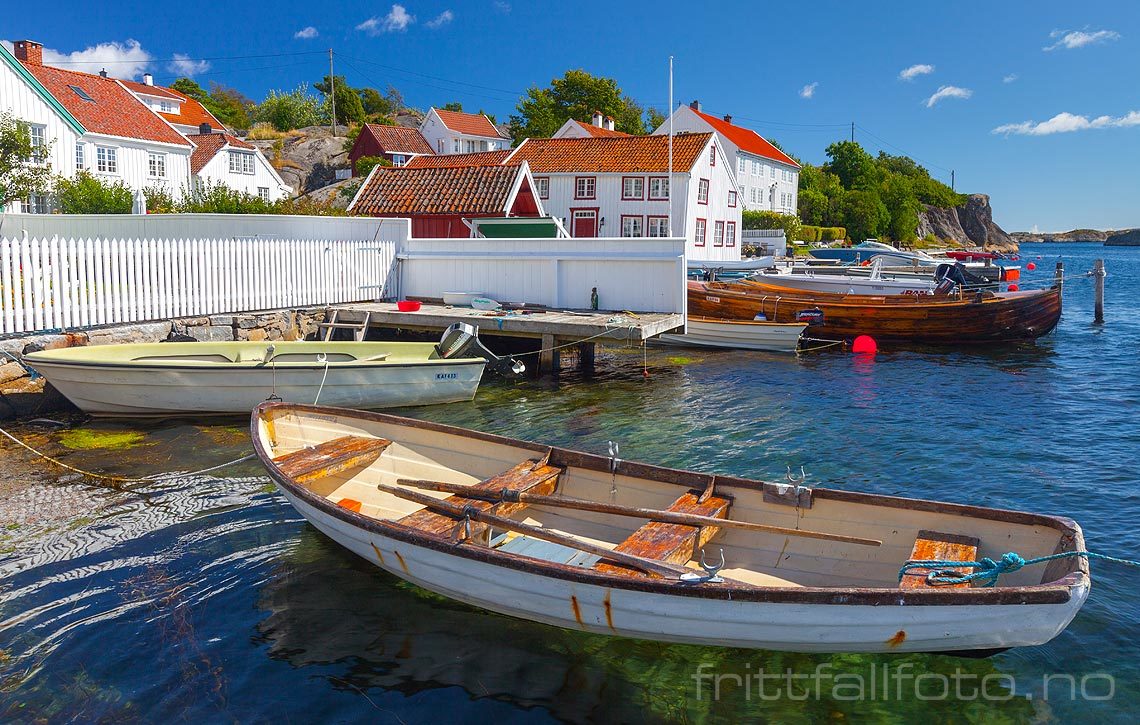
column 738, row 335
column 848, row 284
column 1005, row 317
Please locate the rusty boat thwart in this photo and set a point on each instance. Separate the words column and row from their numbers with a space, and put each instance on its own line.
column 968, row 318
column 609, row 546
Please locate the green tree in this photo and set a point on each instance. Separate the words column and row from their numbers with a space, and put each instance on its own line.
column 230, row 106
column 897, row 194
column 348, row 105
column 86, row 194
column 453, row 106
column 374, row 104
column 654, row 119
column 365, row 164
column 286, row 111
column 188, row 87
column 764, row 219
column 854, row 166
column 864, row 214
column 813, row 207
column 577, row 94
column 20, row 175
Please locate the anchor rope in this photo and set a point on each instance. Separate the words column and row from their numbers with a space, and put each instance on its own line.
column 609, row 330
column 989, row 570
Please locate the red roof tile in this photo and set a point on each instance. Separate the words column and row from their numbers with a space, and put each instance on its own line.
column 482, row 158
column 112, row 110
column 746, row 139
column 474, row 190
column 598, row 132
column 192, row 113
column 159, row 91
column 399, row 139
column 626, row 154
column 474, row 124
column 207, row 146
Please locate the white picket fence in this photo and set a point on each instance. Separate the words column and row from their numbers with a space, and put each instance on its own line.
column 68, row 283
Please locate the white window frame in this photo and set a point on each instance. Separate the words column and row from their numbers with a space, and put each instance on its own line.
column 37, row 135
column 700, row 232
column 80, row 156
column 662, row 185
column 742, row 165
column 718, row 234
column 156, row 165
column 732, row 198
column 657, row 226
column 730, row 234
column 263, row 192
column 771, row 172
column 542, row 186
column 399, row 160
column 165, row 107
column 36, row 204
column 632, row 188
column 703, row 191
column 585, row 188
column 107, row 159
column 241, row 162
column 633, row 226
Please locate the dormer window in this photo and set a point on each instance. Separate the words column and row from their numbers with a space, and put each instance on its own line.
column 82, row 94
column 166, row 107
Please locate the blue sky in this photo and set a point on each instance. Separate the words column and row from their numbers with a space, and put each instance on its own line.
column 1039, row 105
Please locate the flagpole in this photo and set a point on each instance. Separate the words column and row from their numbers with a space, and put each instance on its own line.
column 670, row 182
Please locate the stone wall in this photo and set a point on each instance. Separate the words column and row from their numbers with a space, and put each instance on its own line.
column 25, row 395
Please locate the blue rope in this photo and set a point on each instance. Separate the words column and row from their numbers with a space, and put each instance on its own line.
column 989, row 570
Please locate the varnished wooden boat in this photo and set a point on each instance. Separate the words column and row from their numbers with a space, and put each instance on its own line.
column 975, row 317
column 607, row 546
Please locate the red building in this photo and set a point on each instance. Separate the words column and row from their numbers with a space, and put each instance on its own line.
column 440, row 200
column 395, row 143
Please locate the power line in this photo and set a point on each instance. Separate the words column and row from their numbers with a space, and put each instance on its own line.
column 176, row 60
column 901, row 151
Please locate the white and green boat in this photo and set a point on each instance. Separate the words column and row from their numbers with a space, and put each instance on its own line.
column 222, row 378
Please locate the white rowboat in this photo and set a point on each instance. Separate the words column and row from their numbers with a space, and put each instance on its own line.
column 803, row 569
column 738, row 334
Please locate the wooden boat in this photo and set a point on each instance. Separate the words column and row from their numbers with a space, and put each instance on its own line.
column 219, row 378
column 607, row 546
column 744, row 264
column 738, row 334
column 975, row 317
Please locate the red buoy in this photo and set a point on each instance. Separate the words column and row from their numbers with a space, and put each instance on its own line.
column 1013, row 288
column 1031, row 266
column 864, row 345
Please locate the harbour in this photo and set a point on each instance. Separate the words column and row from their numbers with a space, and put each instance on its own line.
column 261, row 592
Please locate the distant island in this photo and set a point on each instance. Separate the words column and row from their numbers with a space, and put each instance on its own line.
column 1109, row 237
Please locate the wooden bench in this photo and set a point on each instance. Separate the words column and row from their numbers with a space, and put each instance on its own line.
column 933, row 545
column 528, row 476
column 331, row 457
column 674, row 543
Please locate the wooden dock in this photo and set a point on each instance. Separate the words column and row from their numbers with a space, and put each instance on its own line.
column 551, row 328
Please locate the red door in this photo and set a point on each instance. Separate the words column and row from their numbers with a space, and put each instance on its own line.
column 585, row 223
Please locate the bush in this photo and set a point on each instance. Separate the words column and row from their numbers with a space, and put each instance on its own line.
column 790, row 223
column 159, row 200
column 264, row 131
column 220, row 199
column 86, row 194
column 832, row 234
column 365, row 164
column 287, row 111
column 809, row 234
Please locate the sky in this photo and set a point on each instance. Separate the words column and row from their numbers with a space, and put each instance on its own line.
column 1034, row 103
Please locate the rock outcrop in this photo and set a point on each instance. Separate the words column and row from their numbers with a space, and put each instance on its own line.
column 308, row 158
column 1123, row 238
column 1076, row 235
column 971, row 224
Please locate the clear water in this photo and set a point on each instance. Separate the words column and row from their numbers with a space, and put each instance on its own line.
column 209, row 599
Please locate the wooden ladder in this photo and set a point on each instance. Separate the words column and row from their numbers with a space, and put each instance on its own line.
column 359, row 328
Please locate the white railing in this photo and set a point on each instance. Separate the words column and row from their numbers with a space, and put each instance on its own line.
column 69, row 283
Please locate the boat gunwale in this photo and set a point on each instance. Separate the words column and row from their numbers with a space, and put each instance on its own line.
column 1058, row 592
column 763, row 323
column 208, row 366
column 909, row 301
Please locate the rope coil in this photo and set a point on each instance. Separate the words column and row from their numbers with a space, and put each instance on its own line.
column 989, row 570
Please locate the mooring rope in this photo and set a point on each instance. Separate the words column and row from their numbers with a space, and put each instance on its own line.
column 989, row 570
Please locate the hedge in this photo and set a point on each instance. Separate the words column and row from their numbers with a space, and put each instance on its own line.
column 832, row 234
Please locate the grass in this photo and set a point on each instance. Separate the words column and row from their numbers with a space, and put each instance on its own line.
column 264, row 132
column 82, row 439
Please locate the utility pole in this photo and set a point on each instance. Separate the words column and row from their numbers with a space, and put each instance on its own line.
column 332, row 91
column 852, row 127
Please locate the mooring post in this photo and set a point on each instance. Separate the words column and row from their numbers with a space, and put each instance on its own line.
column 548, row 360
column 1098, row 291
column 1059, row 275
column 586, row 356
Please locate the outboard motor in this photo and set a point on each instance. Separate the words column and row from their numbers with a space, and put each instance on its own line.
column 462, row 340
column 950, row 276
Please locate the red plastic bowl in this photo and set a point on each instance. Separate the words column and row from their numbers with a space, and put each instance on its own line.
column 408, row 306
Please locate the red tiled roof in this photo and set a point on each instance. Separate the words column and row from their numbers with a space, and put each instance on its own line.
column 399, row 139
column 192, row 113
column 625, row 154
column 598, row 132
column 746, row 139
column 474, row 124
column 208, row 145
column 482, row 158
column 475, row 190
column 112, row 110
column 136, row 87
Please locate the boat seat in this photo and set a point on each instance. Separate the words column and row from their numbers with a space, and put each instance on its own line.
column 932, row 545
column 331, row 457
column 529, row 476
column 674, row 543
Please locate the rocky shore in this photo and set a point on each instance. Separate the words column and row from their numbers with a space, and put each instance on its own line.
column 1110, row 237
column 970, row 224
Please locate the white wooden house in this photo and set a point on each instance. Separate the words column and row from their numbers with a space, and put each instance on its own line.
column 92, row 123
column 184, row 113
column 767, row 178
column 600, row 126
column 222, row 159
column 455, row 132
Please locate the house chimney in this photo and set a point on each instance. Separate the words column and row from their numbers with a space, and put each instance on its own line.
column 695, row 105
column 29, row 51
column 148, row 79
column 103, row 73
column 205, row 129
column 597, row 119
column 728, row 118
column 609, row 123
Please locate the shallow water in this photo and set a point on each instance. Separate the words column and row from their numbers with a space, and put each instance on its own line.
column 204, row 598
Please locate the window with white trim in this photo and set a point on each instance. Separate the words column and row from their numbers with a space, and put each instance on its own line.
column 757, row 169
column 658, row 187
column 585, row 187
column 703, row 191
column 772, row 172
column 399, row 160
column 38, row 137
column 712, row 155
column 37, row 204
column 241, row 162
column 699, row 233
column 742, row 165
column 632, row 226
column 263, row 192
column 80, row 156
column 730, row 234
column 633, row 187
column 718, row 234
column 542, row 186
column 166, row 107
column 106, row 159
column 658, row 226
column 156, row 166
column 732, row 198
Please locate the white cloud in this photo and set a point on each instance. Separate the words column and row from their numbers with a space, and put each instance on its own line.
column 1071, row 39
column 306, row 33
column 184, row 65
column 396, row 21
column 809, row 90
column 919, row 69
column 502, row 7
column 1067, row 123
column 440, row 20
column 948, row 92
column 121, row 60
column 1009, row 78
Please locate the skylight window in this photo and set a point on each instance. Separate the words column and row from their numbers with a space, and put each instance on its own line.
column 81, row 93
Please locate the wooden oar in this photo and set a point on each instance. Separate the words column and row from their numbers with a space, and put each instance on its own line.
column 462, row 512
column 669, row 517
